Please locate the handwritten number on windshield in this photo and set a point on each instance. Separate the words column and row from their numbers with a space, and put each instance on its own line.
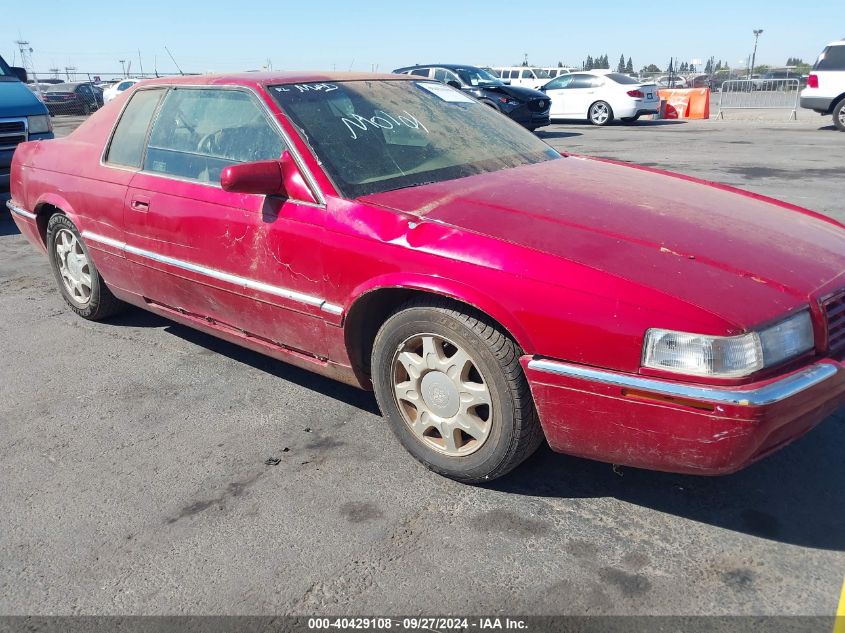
column 383, row 121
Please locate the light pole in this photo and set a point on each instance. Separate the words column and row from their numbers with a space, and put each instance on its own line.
column 123, row 65
column 757, row 33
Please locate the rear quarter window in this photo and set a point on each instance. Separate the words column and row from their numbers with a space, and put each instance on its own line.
column 130, row 135
column 832, row 58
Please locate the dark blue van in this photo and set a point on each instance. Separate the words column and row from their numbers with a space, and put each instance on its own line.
column 22, row 117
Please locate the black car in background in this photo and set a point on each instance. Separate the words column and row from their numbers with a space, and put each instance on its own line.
column 529, row 108
column 73, row 98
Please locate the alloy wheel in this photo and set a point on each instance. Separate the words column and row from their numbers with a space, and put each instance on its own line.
column 74, row 267
column 599, row 113
column 442, row 395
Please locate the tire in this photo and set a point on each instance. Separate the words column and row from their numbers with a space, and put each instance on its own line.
column 433, row 337
column 69, row 258
column 839, row 115
column 86, row 109
column 600, row 113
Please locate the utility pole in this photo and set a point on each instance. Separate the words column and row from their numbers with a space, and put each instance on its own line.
column 70, row 70
column 26, row 58
column 757, row 33
column 123, row 66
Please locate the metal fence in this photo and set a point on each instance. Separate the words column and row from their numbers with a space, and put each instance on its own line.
column 760, row 94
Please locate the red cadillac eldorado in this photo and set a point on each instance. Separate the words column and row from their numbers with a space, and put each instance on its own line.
column 396, row 234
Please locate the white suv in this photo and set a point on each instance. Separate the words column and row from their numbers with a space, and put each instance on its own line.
column 825, row 91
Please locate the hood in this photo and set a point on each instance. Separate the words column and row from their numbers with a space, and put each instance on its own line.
column 744, row 258
column 16, row 100
column 519, row 92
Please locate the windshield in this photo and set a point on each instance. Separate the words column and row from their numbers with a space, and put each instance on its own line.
column 374, row 136
column 477, row 77
column 5, row 70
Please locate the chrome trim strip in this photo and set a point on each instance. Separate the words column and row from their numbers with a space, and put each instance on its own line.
column 19, row 210
column 760, row 396
column 245, row 282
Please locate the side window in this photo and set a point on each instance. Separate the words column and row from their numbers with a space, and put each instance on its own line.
column 127, row 143
column 595, row 82
column 198, row 132
column 124, row 85
column 564, row 81
column 581, row 81
column 527, row 74
column 444, row 75
column 420, row 72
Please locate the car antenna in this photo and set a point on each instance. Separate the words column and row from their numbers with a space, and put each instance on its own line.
column 174, row 61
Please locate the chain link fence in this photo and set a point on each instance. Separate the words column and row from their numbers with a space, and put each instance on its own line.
column 68, row 92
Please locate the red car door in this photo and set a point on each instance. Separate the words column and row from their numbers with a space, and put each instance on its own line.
column 244, row 261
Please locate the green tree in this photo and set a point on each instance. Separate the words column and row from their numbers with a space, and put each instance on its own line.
column 629, row 67
column 620, row 67
column 560, row 64
column 589, row 64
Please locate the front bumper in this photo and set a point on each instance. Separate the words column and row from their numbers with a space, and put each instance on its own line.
column 529, row 119
column 678, row 427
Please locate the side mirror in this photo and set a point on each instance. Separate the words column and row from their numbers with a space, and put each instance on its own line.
column 454, row 84
column 267, row 177
column 20, row 73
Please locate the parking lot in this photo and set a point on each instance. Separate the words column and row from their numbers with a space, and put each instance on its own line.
column 133, row 476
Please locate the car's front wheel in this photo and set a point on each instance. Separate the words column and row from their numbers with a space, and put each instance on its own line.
column 79, row 280
column 600, row 113
column 449, row 383
column 839, row 116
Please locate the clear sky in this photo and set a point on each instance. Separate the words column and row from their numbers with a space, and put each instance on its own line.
column 210, row 35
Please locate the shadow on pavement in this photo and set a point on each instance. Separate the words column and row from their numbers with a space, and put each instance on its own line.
column 7, row 225
column 556, row 134
column 795, row 496
column 364, row 400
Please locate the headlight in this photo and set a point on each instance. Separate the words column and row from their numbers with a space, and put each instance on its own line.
column 728, row 356
column 39, row 124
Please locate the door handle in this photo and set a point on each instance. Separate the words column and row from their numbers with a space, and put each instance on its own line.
column 138, row 204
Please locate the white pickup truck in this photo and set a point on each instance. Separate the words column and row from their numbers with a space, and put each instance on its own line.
column 825, row 91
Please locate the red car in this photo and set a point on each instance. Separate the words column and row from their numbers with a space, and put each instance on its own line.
column 395, row 234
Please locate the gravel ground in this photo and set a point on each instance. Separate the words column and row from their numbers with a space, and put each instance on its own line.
column 132, row 474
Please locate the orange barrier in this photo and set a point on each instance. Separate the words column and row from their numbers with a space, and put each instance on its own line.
column 686, row 103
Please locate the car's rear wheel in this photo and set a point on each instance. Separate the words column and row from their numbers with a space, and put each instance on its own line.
column 600, row 113
column 449, row 383
column 86, row 108
column 839, row 116
column 79, row 280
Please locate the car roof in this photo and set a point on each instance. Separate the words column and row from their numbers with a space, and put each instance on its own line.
column 449, row 66
column 267, row 78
